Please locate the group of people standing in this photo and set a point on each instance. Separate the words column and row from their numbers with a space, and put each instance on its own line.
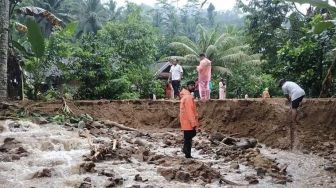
column 203, row 84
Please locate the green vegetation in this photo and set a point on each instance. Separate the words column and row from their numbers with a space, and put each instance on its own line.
column 87, row 49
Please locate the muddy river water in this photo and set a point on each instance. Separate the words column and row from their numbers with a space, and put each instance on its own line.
column 51, row 155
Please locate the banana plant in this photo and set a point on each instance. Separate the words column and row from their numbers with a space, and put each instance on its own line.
column 34, row 63
column 44, row 18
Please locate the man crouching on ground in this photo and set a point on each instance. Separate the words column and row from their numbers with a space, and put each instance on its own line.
column 188, row 117
column 294, row 94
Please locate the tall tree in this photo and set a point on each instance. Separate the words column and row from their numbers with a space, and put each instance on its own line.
column 113, row 11
column 91, row 18
column 167, row 18
column 4, row 26
column 223, row 50
column 265, row 26
column 211, row 15
column 192, row 17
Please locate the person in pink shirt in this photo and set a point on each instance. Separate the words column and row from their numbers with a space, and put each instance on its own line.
column 204, row 77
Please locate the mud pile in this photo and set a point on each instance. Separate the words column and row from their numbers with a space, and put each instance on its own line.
column 125, row 146
column 141, row 142
column 11, row 150
column 106, row 154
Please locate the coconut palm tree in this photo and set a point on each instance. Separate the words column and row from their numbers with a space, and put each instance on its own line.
column 113, row 11
column 223, row 50
column 4, row 25
column 91, row 18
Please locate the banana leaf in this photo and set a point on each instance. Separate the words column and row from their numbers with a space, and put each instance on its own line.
column 35, row 38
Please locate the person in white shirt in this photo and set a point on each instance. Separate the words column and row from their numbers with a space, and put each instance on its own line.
column 175, row 75
column 294, row 93
column 222, row 89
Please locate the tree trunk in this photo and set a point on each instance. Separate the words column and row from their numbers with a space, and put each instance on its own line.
column 4, row 26
column 327, row 82
column 14, row 78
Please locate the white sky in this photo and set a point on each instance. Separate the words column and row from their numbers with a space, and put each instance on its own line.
column 219, row 4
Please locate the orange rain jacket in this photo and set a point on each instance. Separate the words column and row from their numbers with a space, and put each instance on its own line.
column 188, row 113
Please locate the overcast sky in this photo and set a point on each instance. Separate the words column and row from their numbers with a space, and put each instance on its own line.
column 219, row 4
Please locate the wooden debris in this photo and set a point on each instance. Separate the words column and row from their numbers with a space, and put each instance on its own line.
column 66, row 109
column 7, row 104
column 120, row 126
column 114, row 144
column 9, row 117
column 228, row 182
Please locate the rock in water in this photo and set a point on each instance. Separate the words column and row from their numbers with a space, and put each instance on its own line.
column 252, row 179
column 167, row 173
column 246, row 144
column 182, row 176
column 81, row 125
column 329, row 166
column 44, row 173
column 137, row 177
column 87, row 167
column 261, row 171
column 229, row 141
column 234, row 165
column 107, row 173
column 217, row 137
column 40, row 120
column 86, row 183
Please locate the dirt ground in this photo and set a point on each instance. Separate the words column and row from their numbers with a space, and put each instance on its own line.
column 266, row 120
column 229, row 149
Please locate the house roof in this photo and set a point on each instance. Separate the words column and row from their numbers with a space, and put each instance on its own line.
column 161, row 69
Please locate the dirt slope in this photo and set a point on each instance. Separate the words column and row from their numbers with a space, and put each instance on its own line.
column 266, row 120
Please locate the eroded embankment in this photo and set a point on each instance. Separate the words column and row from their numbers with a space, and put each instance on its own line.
column 82, row 154
column 266, row 120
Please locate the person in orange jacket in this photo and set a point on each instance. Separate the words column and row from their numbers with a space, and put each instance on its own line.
column 188, row 117
column 266, row 94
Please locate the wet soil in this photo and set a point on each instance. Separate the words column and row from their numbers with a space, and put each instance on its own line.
column 240, row 143
column 266, row 120
column 68, row 156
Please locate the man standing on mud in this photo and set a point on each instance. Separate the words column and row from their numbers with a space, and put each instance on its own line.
column 188, row 117
column 294, row 93
column 204, row 77
column 175, row 75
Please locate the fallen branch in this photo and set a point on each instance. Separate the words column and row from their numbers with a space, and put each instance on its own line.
column 114, row 144
column 235, row 134
column 98, row 149
column 120, row 126
column 7, row 104
column 93, row 146
column 66, row 109
column 8, row 117
column 230, row 182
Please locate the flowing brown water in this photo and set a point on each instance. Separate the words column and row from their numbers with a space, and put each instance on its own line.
column 61, row 151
